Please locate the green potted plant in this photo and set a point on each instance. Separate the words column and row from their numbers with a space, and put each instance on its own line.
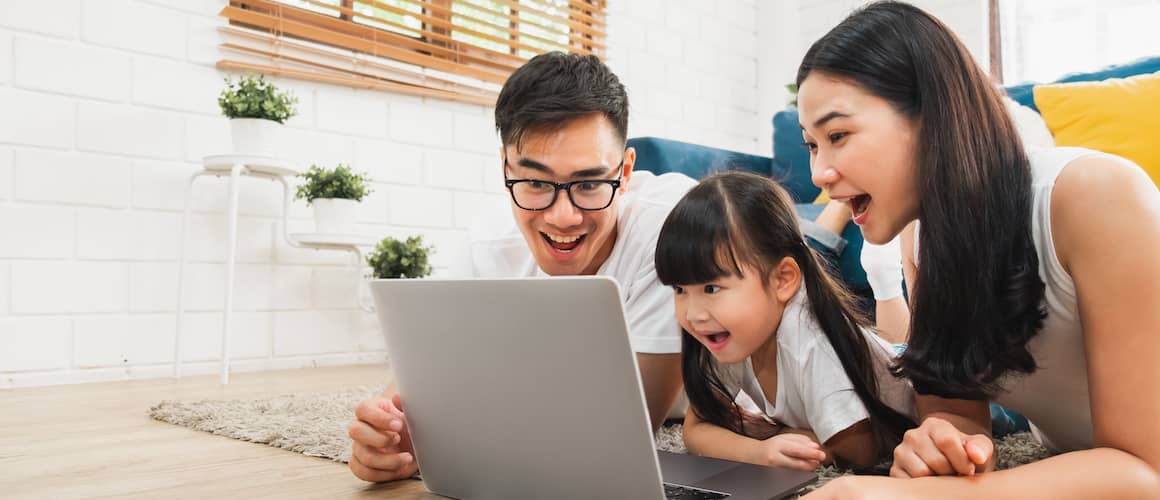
column 335, row 195
column 400, row 259
column 257, row 111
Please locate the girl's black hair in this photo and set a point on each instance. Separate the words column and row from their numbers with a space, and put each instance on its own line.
column 977, row 299
column 733, row 219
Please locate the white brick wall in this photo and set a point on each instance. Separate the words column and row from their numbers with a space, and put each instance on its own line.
column 71, row 178
column 690, row 70
column 45, row 120
column 794, row 25
column 5, row 57
column 5, row 173
column 60, row 19
column 109, row 107
column 76, row 69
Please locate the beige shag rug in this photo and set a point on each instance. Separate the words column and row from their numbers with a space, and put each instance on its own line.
column 315, row 425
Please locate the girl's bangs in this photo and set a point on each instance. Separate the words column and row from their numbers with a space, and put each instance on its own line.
column 695, row 245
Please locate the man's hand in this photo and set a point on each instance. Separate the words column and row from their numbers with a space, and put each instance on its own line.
column 794, row 451
column 381, row 448
column 937, row 448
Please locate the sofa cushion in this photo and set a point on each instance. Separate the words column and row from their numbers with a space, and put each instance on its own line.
column 1030, row 126
column 664, row 155
column 1120, row 116
column 791, row 161
column 1024, row 93
column 849, row 264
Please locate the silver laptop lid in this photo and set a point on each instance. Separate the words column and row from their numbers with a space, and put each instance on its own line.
column 520, row 388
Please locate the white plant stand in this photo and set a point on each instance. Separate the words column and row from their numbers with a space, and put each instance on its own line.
column 353, row 243
column 275, row 169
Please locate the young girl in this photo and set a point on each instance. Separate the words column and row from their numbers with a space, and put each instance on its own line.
column 762, row 318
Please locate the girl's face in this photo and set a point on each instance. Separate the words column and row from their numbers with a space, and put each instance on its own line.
column 735, row 317
column 862, row 151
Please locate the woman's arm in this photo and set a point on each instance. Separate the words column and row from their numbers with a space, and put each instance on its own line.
column 1106, row 229
column 909, row 266
column 892, row 317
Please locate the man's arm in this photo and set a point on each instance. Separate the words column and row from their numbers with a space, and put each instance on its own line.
column 661, row 376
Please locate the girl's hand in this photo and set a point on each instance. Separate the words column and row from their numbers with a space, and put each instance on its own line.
column 938, row 448
column 794, row 451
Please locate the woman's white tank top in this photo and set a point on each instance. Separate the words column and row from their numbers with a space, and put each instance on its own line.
column 1055, row 397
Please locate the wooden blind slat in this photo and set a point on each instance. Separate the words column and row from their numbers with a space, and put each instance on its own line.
column 428, row 19
column 461, row 50
column 448, row 24
column 274, row 47
column 361, row 44
column 368, row 73
column 512, row 20
column 485, row 57
column 581, row 13
column 353, row 82
column 575, row 25
column 596, row 6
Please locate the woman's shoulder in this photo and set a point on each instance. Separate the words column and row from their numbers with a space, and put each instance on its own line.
column 1094, row 189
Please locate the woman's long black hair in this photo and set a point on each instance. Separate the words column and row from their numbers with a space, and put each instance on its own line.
column 735, row 218
column 977, row 298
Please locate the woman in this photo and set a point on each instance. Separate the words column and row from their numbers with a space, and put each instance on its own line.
column 1036, row 283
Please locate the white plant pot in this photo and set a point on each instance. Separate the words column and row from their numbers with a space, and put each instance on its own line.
column 334, row 215
column 256, row 137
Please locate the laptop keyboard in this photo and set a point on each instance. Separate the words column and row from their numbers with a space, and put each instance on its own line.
column 678, row 492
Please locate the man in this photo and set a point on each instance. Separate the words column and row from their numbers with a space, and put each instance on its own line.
column 577, row 209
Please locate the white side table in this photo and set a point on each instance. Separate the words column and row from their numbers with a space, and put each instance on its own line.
column 352, row 243
column 269, row 168
column 235, row 166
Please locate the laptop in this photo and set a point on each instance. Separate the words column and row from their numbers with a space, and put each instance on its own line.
column 528, row 388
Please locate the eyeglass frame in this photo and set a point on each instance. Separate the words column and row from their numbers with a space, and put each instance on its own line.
column 566, row 187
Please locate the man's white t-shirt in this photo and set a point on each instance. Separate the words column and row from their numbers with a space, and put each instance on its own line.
column 813, row 391
column 498, row 249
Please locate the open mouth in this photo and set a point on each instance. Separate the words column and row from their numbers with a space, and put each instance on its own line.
column 563, row 243
column 859, row 204
column 717, row 340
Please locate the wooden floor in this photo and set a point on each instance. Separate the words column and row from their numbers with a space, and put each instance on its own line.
column 95, row 440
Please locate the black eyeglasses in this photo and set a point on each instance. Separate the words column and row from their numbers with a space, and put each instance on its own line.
column 587, row 194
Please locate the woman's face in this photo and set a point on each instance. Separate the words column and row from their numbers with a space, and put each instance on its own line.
column 862, row 151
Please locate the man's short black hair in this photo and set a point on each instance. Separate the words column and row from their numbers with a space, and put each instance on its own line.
column 554, row 88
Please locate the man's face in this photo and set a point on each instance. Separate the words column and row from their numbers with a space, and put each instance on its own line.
column 564, row 239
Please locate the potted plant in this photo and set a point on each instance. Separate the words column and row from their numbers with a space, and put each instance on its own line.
column 257, row 111
column 400, row 259
column 335, row 195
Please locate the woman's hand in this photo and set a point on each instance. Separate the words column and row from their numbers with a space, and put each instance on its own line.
column 794, row 451
column 937, row 448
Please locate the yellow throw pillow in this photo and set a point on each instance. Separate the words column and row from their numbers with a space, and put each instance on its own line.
column 1120, row 116
column 823, row 198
